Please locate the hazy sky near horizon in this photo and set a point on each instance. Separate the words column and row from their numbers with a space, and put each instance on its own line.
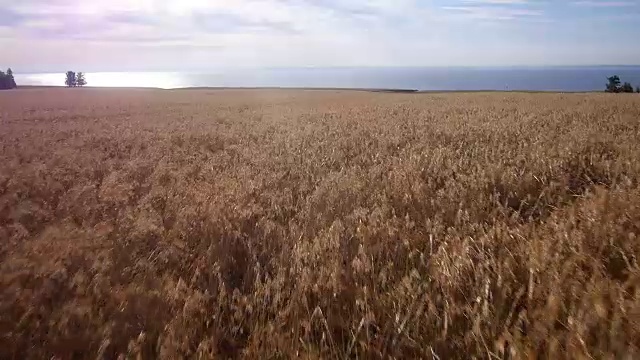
column 168, row 35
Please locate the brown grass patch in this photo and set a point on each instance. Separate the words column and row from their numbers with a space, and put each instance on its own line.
column 278, row 224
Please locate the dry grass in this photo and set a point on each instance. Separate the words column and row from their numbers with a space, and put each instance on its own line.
column 280, row 224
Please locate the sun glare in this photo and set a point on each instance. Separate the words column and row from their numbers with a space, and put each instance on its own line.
column 111, row 79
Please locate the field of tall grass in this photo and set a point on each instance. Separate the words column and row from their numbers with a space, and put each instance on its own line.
column 307, row 224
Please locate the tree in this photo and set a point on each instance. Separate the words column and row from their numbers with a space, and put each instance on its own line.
column 627, row 88
column 638, row 89
column 71, row 80
column 614, row 84
column 7, row 81
column 11, row 81
column 80, row 80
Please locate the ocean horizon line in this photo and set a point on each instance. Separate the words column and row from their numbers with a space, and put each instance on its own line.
column 257, row 68
column 548, row 78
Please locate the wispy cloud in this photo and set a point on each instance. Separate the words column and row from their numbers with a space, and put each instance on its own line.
column 605, row 4
column 498, row 2
column 219, row 23
column 298, row 32
column 494, row 10
column 494, row 13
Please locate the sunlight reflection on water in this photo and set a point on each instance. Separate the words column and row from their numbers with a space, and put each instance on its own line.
column 108, row 79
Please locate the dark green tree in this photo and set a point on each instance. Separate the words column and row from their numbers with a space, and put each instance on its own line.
column 7, row 81
column 11, row 81
column 614, row 84
column 80, row 80
column 627, row 88
column 71, row 80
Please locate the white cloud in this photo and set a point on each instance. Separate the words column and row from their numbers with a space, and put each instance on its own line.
column 497, row 2
column 611, row 4
column 494, row 13
column 170, row 34
column 248, row 25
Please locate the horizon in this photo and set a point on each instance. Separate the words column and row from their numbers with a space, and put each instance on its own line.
column 43, row 36
column 256, row 68
column 537, row 78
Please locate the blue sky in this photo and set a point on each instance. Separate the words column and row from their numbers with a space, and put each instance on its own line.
column 163, row 35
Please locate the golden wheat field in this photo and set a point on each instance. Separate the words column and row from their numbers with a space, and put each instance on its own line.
column 318, row 224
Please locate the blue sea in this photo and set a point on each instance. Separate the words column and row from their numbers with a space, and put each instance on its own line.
column 564, row 78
